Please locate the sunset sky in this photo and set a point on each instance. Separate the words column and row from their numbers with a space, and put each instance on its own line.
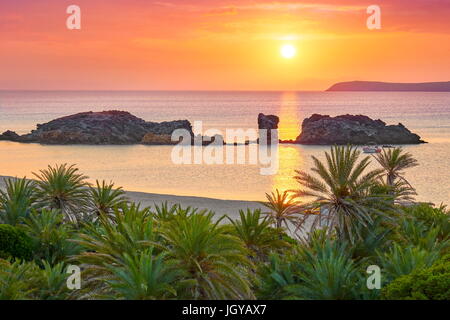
column 219, row 44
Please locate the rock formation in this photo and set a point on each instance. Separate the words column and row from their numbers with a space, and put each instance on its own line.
column 267, row 122
column 353, row 129
column 10, row 136
column 154, row 139
column 107, row 127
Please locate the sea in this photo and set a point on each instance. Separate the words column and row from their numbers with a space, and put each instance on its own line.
column 152, row 169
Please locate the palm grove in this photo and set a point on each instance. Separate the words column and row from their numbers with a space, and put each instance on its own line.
column 315, row 242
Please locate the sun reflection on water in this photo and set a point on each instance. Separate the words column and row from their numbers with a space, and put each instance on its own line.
column 289, row 126
column 291, row 159
column 290, row 156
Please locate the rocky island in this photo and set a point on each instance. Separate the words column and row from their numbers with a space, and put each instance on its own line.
column 122, row 128
column 101, row 128
column 353, row 129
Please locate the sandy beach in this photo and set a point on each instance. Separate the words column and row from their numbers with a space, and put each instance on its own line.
column 220, row 207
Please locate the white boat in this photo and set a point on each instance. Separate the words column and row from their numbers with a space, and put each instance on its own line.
column 371, row 149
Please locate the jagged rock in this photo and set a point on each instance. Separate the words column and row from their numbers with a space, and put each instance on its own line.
column 216, row 139
column 353, row 129
column 107, row 127
column 9, row 135
column 151, row 138
column 267, row 122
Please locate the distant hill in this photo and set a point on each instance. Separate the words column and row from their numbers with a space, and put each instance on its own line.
column 387, row 86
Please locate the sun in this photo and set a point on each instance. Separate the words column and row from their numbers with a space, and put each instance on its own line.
column 288, row 51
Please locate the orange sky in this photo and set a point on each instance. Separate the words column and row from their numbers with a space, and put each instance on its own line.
column 219, row 45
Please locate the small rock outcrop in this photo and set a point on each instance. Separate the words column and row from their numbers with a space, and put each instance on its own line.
column 107, row 127
column 267, row 122
column 353, row 129
column 10, row 136
column 155, row 139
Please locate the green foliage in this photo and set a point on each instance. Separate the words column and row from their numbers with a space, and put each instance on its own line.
column 416, row 233
column 50, row 282
column 283, row 209
column 431, row 217
column 127, row 233
column 374, row 236
column 63, row 188
column 431, row 283
column 165, row 213
column 399, row 260
column 15, row 280
column 14, row 243
column 276, row 277
column 394, row 161
column 320, row 268
column 326, row 272
column 51, row 236
column 129, row 230
column 256, row 233
column 341, row 187
column 144, row 276
column 172, row 252
column 17, row 200
column 20, row 280
column 104, row 198
column 211, row 256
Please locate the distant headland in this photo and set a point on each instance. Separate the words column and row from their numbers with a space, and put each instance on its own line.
column 388, row 86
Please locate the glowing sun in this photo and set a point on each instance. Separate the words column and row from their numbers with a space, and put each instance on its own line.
column 288, row 51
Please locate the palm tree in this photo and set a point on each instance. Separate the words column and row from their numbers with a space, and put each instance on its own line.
column 15, row 279
column 394, row 161
column 214, row 259
column 130, row 229
column 276, row 276
column 17, row 200
column 283, row 208
column 51, row 282
column 145, row 276
column 111, row 242
column 326, row 272
column 163, row 212
column 51, row 236
column 63, row 188
column 256, row 233
column 401, row 260
column 104, row 198
column 341, row 188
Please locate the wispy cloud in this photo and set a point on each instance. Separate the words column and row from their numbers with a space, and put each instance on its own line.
column 293, row 6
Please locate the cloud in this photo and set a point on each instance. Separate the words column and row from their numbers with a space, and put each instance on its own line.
column 223, row 11
column 293, row 6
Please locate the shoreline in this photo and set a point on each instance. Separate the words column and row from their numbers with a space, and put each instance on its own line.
column 220, row 207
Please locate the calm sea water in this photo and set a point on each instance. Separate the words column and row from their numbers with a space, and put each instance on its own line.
column 150, row 169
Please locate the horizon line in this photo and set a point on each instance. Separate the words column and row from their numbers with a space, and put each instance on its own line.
column 149, row 90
